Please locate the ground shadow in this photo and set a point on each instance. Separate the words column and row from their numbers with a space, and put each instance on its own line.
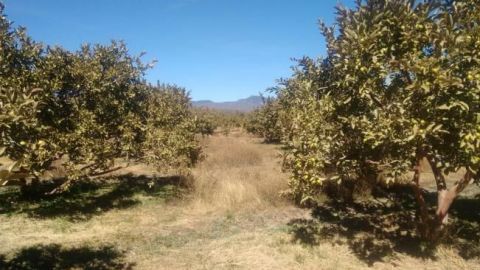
column 377, row 229
column 88, row 198
column 55, row 257
column 465, row 229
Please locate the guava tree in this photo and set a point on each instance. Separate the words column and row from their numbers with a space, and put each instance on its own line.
column 24, row 128
column 400, row 84
column 265, row 121
column 205, row 121
column 85, row 109
column 170, row 128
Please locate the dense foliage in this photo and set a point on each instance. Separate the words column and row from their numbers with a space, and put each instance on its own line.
column 85, row 108
column 210, row 120
column 170, row 128
column 265, row 121
column 400, row 84
column 205, row 121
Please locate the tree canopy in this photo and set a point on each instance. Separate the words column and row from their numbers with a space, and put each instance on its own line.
column 400, row 84
column 86, row 108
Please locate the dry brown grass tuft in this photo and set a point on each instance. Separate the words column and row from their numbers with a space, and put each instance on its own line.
column 239, row 173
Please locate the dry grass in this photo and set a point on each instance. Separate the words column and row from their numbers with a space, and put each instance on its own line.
column 232, row 218
column 239, row 173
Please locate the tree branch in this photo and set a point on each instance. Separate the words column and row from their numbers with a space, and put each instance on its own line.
column 437, row 173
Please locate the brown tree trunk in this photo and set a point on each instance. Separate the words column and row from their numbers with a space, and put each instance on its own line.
column 422, row 206
column 445, row 197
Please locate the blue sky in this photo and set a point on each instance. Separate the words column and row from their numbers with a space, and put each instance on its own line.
column 218, row 49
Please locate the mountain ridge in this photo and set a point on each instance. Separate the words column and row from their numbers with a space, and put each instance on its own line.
column 242, row 105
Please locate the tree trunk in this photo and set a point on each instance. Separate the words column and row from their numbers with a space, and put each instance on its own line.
column 30, row 189
column 445, row 198
column 424, row 218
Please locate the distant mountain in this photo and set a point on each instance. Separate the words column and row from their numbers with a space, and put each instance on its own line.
column 241, row 105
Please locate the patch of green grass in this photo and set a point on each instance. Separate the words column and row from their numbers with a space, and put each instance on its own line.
column 175, row 240
column 229, row 216
column 62, row 225
column 299, row 258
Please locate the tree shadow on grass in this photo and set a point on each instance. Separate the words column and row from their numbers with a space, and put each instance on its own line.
column 89, row 198
column 55, row 257
column 377, row 229
column 465, row 229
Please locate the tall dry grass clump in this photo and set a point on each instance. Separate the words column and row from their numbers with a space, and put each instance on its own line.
column 239, row 172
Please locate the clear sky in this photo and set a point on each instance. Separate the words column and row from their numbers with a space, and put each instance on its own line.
column 218, row 49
